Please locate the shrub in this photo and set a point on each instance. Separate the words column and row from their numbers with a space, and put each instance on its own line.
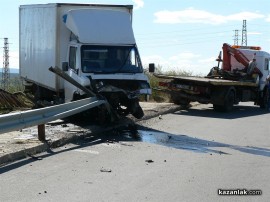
column 159, row 96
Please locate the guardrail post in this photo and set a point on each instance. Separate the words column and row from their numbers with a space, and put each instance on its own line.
column 41, row 132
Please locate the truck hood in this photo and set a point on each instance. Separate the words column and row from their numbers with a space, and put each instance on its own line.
column 95, row 26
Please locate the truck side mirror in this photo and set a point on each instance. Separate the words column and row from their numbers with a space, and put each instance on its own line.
column 152, row 67
column 65, row 66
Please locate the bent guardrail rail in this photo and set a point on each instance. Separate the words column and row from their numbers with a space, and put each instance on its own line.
column 25, row 119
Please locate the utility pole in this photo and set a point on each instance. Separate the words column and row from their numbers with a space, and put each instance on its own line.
column 236, row 37
column 244, row 33
column 5, row 70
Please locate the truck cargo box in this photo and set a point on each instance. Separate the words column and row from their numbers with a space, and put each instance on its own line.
column 44, row 39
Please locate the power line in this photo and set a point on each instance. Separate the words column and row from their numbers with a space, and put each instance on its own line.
column 194, row 34
column 184, row 42
column 182, row 37
column 181, row 31
column 165, row 40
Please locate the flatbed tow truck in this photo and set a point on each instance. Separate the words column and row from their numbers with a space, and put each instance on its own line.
column 241, row 78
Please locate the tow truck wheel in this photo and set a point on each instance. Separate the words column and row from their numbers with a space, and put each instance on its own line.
column 217, row 108
column 180, row 101
column 229, row 101
column 264, row 99
column 228, row 104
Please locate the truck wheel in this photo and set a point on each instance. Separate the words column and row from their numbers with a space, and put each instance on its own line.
column 138, row 114
column 264, row 99
column 103, row 116
column 180, row 101
column 136, row 109
column 184, row 103
column 229, row 101
column 217, row 108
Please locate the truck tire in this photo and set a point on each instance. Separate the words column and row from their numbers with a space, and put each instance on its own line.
column 184, row 103
column 138, row 114
column 217, row 108
column 228, row 104
column 264, row 99
column 229, row 101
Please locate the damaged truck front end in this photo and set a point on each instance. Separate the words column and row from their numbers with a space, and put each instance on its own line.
column 114, row 72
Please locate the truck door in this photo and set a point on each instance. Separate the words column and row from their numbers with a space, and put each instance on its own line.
column 73, row 71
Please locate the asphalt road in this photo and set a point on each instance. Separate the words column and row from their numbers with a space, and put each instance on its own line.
column 185, row 156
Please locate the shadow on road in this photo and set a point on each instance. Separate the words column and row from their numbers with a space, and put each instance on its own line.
column 238, row 112
column 84, row 141
column 125, row 135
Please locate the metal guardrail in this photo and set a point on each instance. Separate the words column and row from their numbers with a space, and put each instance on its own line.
column 25, row 119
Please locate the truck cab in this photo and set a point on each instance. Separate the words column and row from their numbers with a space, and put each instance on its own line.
column 262, row 62
column 106, row 60
column 115, row 72
column 97, row 65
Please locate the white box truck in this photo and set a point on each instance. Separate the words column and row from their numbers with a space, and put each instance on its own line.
column 93, row 43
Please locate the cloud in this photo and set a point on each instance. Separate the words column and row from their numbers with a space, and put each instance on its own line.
column 208, row 60
column 157, row 59
column 185, row 56
column 244, row 16
column 138, row 4
column 187, row 16
column 191, row 15
column 268, row 18
column 186, row 61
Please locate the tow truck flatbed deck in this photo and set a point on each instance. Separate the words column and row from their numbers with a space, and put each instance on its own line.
column 209, row 81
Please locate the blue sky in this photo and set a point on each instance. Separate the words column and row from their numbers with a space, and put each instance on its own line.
column 177, row 34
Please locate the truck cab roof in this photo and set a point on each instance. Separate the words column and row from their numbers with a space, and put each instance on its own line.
column 94, row 26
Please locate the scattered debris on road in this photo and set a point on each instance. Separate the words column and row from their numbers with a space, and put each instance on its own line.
column 104, row 170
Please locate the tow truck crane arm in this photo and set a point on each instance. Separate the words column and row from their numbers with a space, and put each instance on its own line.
column 229, row 51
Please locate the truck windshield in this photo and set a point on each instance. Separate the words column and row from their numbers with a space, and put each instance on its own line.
column 110, row 59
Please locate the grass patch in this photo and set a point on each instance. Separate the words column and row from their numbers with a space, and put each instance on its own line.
column 158, row 96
